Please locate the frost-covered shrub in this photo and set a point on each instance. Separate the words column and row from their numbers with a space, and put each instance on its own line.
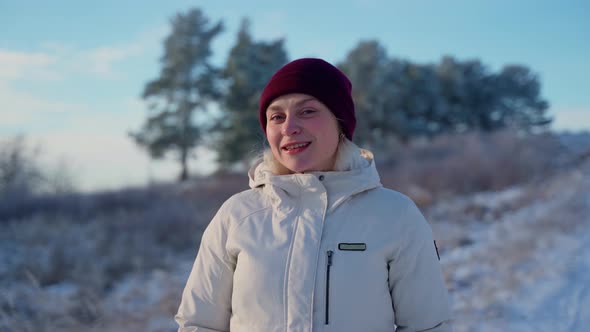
column 22, row 173
column 471, row 162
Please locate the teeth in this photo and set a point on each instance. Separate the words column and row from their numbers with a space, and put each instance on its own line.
column 290, row 147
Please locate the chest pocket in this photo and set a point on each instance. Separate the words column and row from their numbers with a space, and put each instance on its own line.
column 356, row 280
column 353, row 265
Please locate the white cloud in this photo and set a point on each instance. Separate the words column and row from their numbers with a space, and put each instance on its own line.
column 109, row 161
column 571, row 118
column 23, row 109
column 32, row 65
column 58, row 60
column 100, row 61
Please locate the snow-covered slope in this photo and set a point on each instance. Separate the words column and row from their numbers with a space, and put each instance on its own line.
column 519, row 260
column 515, row 260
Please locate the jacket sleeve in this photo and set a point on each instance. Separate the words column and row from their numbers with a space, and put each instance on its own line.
column 206, row 299
column 419, row 295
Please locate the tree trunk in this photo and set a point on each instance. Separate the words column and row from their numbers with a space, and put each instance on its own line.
column 183, row 162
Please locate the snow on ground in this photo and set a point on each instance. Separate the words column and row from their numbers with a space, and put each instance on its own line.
column 515, row 260
column 519, row 260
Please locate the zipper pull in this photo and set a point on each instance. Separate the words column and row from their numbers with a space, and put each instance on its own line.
column 329, row 253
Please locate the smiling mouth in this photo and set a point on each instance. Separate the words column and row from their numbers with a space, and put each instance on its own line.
column 297, row 147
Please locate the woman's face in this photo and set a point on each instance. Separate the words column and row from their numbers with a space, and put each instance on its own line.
column 302, row 133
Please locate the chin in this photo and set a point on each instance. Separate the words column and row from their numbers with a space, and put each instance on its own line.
column 298, row 167
column 307, row 168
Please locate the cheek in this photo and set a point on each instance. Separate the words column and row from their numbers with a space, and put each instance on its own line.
column 273, row 139
column 331, row 145
column 328, row 131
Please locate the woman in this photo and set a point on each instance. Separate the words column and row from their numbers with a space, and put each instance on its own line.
column 316, row 244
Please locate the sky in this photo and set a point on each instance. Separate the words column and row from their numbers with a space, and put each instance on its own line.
column 71, row 72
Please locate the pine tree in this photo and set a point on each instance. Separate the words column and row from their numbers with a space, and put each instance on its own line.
column 249, row 66
column 397, row 100
column 187, row 83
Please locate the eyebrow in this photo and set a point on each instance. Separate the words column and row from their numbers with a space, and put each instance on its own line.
column 299, row 103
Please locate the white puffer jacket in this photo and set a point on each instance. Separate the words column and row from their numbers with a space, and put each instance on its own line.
column 323, row 251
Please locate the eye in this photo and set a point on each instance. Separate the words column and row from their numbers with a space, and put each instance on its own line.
column 276, row 117
column 308, row 111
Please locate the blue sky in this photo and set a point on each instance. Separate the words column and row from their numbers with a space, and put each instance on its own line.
column 71, row 72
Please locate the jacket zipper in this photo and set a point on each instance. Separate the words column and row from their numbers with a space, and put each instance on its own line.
column 329, row 253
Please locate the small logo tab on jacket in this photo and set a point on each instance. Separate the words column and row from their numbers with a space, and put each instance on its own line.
column 352, row 246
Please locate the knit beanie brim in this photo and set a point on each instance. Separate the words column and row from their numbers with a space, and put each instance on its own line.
column 317, row 78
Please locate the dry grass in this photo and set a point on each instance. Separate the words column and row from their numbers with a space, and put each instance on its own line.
column 472, row 162
column 62, row 256
column 110, row 261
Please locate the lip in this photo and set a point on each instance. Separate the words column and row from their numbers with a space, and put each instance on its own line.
column 296, row 150
column 285, row 146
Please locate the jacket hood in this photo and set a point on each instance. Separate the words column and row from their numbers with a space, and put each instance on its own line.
column 356, row 173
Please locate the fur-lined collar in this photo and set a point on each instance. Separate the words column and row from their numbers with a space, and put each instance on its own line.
column 354, row 172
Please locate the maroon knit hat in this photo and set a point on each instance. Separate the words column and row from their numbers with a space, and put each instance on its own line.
column 316, row 78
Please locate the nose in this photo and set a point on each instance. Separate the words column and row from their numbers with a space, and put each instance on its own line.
column 291, row 126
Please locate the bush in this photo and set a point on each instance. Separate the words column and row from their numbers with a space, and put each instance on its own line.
column 21, row 174
column 472, row 162
column 96, row 239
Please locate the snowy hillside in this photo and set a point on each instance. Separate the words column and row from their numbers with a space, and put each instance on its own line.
column 514, row 260
column 519, row 260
